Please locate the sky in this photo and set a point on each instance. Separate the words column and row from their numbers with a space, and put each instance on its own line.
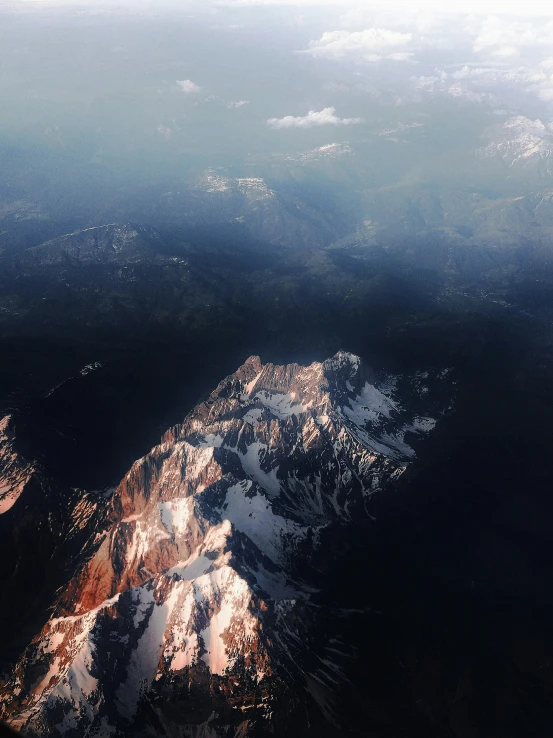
column 459, row 6
column 277, row 71
column 480, row 7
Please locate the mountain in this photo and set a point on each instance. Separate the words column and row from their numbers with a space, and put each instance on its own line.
column 195, row 608
column 524, row 145
column 45, row 528
column 108, row 244
column 110, row 275
column 16, row 470
column 256, row 204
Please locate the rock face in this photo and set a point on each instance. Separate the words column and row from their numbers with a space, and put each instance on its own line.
column 45, row 531
column 195, row 612
column 15, row 471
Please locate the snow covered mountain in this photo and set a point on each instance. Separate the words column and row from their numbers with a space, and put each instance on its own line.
column 193, row 611
column 522, row 142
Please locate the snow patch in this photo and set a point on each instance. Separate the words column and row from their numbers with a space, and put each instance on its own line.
column 253, row 515
column 176, row 515
column 251, row 463
column 368, row 406
column 281, row 404
column 145, row 658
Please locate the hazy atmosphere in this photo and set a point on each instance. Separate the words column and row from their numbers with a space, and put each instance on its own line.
column 276, row 368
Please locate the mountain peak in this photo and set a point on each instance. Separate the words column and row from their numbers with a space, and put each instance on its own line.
column 204, row 573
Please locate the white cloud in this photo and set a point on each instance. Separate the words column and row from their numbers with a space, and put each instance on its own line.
column 312, row 119
column 495, row 84
column 500, row 58
column 480, row 73
column 187, row 86
column 504, row 38
column 371, row 44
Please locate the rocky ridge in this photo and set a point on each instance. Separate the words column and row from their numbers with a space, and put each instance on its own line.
column 15, row 471
column 195, row 614
column 522, row 142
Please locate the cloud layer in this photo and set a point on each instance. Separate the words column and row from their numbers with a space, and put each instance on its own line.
column 504, row 60
column 371, row 44
column 325, row 117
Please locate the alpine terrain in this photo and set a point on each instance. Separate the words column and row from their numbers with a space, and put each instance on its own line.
column 193, row 606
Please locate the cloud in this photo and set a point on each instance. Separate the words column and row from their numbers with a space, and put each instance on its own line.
column 504, row 38
column 494, row 84
column 312, row 119
column 372, row 44
column 187, row 86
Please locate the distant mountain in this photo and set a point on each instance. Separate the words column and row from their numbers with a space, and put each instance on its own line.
column 115, row 244
column 108, row 275
column 524, row 145
column 193, row 608
column 266, row 211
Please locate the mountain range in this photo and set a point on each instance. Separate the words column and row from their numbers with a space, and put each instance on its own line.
column 193, row 605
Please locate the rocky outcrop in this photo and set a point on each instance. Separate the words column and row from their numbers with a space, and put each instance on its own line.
column 46, row 529
column 193, row 614
column 15, row 470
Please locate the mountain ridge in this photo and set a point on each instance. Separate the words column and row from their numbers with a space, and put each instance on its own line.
column 205, row 569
